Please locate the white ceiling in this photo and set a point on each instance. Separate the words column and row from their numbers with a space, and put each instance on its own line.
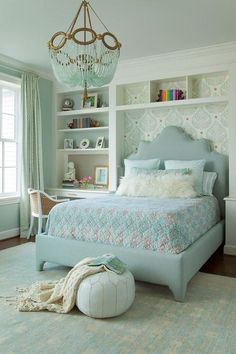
column 144, row 27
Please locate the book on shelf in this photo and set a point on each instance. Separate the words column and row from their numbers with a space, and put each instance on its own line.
column 68, row 184
column 170, row 95
column 81, row 123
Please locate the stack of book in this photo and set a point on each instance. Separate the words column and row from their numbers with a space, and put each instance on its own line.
column 170, row 95
column 81, row 123
column 68, row 184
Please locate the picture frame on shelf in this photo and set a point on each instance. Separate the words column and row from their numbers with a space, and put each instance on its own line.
column 91, row 102
column 101, row 176
column 84, row 144
column 100, row 143
column 68, row 144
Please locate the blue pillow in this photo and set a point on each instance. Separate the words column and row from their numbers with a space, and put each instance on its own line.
column 197, row 167
column 148, row 164
column 209, row 179
column 136, row 171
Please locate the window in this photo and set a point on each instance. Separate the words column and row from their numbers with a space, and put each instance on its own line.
column 9, row 138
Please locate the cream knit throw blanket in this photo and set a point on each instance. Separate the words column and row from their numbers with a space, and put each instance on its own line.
column 57, row 296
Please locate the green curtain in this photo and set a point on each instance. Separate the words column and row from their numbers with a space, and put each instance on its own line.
column 31, row 157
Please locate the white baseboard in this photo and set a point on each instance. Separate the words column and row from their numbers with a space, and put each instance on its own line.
column 9, row 233
column 230, row 250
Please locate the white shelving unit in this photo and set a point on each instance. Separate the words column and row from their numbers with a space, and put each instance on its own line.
column 140, row 115
column 85, row 160
column 103, row 151
column 178, row 103
column 82, row 112
column 122, row 100
column 82, row 129
column 197, row 89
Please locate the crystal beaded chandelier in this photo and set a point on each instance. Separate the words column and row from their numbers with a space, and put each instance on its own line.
column 80, row 56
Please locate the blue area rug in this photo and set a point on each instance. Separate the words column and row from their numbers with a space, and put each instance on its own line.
column 205, row 323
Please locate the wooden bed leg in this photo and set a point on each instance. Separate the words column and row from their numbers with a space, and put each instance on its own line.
column 39, row 265
column 179, row 292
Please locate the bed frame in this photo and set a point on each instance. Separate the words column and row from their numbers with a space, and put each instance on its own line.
column 173, row 270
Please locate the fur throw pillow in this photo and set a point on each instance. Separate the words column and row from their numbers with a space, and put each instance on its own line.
column 166, row 186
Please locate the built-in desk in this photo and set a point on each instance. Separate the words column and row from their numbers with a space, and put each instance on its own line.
column 77, row 193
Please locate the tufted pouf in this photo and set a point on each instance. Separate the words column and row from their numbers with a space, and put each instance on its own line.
column 106, row 294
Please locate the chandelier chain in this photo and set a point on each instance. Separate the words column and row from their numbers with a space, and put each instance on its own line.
column 70, row 29
column 98, row 17
column 90, row 23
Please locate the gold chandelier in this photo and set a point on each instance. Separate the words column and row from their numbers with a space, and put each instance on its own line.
column 82, row 57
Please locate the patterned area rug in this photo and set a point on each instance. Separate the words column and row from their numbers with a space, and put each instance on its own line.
column 205, row 323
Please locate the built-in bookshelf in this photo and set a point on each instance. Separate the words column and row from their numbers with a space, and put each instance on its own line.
column 128, row 112
column 77, row 124
column 202, row 110
column 196, row 90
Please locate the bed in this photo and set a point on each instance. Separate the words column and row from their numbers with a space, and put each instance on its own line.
column 172, row 264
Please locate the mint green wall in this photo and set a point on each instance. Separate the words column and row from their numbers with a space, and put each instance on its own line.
column 9, row 217
column 9, row 214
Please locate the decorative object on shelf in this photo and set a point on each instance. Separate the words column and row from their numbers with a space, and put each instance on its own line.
column 69, row 175
column 94, row 123
column 84, row 144
column 80, row 56
column 100, row 142
column 67, row 104
column 101, row 104
column 68, row 143
column 70, row 125
column 76, row 183
column 90, row 102
column 101, row 175
column 85, row 181
column 170, row 95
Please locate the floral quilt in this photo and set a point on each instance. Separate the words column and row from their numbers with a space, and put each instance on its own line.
column 166, row 225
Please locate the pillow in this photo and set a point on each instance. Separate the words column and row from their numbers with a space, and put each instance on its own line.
column 153, row 163
column 209, row 179
column 136, row 171
column 167, row 186
column 196, row 166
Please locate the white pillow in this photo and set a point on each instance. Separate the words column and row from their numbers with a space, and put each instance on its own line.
column 197, row 167
column 152, row 163
column 209, row 179
column 167, row 186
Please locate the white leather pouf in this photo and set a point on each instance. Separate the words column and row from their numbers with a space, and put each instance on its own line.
column 106, row 294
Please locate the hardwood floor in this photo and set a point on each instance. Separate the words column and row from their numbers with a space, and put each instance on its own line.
column 218, row 263
column 14, row 241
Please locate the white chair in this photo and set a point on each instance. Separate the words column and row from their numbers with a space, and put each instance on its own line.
column 41, row 204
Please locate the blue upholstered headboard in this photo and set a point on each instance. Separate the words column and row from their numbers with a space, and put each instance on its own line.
column 174, row 144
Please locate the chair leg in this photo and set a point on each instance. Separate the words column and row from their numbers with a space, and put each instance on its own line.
column 40, row 225
column 31, row 226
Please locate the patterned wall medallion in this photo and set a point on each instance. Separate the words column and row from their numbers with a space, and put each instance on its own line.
column 209, row 121
column 210, row 85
